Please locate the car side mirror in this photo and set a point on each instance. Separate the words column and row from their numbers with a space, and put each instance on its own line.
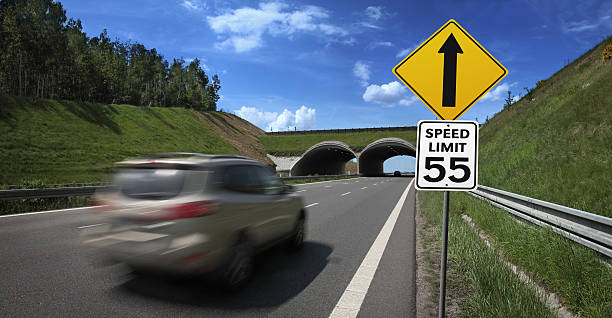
column 287, row 188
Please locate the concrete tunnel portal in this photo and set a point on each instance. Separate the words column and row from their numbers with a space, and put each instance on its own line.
column 374, row 155
column 324, row 158
column 330, row 157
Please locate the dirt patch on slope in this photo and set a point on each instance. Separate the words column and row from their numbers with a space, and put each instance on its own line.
column 238, row 132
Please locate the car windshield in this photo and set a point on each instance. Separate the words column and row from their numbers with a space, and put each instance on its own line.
column 152, row 184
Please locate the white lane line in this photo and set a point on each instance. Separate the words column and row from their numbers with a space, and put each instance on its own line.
column 300, row 191
column 364, row 188
column 311, row 205
column 52, row 211
column 352, row 298
column 343, row 194
column 311, row 183
column 86, row 226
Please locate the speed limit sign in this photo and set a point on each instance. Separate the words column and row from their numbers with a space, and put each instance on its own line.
column 447, row 155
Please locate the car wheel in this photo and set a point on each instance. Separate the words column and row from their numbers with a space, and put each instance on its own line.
column 239, row 268
column 296, row 241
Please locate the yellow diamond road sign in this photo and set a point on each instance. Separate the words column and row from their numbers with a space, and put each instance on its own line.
column 450, row 71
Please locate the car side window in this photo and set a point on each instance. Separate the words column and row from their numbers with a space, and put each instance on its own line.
column 242, row 178
column 271, row 184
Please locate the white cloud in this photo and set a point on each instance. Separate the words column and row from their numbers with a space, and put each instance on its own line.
column 245, row 27
column 584, row 25
column 374, row 45
column 362, row 71
column 389, row 94
column 370, row 25
column 303, row 118
column 515, row 98
column 374, row 13
column 255, row 116
column 193, row 5
column 332, row 29
column 350, row 41
column 498, row 93
column 284, row 121
column 403, row 53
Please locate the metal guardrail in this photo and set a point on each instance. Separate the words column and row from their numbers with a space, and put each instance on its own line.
column 591, row 230
column 19, row 194
column 340, row 131
column 61, row 185
column 88, row 189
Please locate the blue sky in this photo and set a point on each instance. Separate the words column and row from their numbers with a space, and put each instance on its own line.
column 328, row 64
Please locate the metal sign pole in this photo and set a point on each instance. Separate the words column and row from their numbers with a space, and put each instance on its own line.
column 442, row 306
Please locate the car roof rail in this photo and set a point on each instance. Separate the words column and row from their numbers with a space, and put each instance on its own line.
column 190, row 154
column 229, row 157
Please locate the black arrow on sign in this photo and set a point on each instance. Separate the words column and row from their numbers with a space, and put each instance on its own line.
column 450, row 49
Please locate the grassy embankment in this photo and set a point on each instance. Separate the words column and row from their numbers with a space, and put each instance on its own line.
column 553, row 145
column 54, row 142
column 62, row 141
column 558, row 146
column 295, row 145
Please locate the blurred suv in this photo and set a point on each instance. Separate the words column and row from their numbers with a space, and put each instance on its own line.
column 192, row 214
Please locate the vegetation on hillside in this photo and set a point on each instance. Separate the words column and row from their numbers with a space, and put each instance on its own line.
column 555, row 143
column 45, row 55
column 295, row 145
column 63, row 141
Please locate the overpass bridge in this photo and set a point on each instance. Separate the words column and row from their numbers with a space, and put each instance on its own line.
column 330, row 158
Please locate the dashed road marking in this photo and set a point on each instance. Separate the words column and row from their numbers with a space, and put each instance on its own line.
column 345, row 194
column 311, row 205
column 364, row 188
column 86, row 226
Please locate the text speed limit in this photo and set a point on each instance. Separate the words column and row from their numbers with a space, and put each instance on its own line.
column 447, row 155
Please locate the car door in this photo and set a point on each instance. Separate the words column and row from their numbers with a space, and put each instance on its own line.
column 243, row 202
column 277, row 203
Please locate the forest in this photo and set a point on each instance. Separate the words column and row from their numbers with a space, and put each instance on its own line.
column 43, row 54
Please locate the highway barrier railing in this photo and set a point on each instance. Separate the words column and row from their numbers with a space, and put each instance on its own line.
column 591, row 230
column 79, row 189
column 19, row 194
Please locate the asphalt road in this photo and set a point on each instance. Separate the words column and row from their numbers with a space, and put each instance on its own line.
column 46, row 273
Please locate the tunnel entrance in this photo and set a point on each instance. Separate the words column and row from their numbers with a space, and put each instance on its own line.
column 374, row 155
column 324, row 158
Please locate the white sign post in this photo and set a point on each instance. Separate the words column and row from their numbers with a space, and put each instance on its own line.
column 447, row 159
column 447, row 155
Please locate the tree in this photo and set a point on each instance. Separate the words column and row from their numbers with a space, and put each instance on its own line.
column 508, row 100
column 45, row 55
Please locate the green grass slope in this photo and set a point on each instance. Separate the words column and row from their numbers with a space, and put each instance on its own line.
column 556, row 145
column 62, row 141
column 295, row 145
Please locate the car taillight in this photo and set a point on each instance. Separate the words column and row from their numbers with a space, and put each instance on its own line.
column 191, row 210
column 101, row 206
